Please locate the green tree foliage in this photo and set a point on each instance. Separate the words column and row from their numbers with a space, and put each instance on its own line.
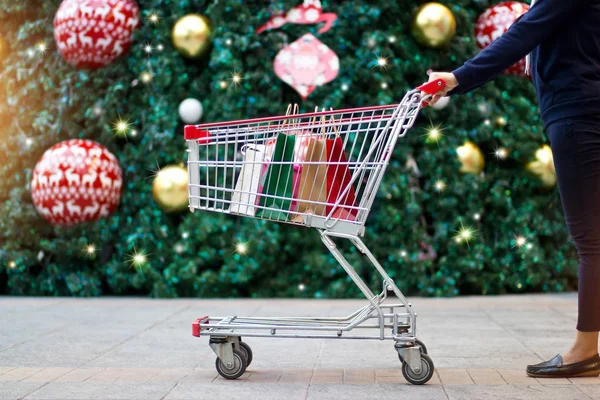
column 412, row 226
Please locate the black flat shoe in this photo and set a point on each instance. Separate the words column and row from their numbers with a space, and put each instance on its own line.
column 554, row 368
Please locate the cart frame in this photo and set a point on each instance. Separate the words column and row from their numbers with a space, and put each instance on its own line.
column 396, row 321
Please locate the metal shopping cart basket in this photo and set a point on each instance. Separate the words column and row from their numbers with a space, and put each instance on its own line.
column 320, row 170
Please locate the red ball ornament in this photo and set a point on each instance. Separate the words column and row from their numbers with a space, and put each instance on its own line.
column 494, row 22
column 76, row 181
column 93, row 33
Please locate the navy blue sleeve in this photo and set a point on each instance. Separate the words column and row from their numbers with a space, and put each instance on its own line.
column 540, row 22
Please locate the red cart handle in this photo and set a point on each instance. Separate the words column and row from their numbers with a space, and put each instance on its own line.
column 433, row 87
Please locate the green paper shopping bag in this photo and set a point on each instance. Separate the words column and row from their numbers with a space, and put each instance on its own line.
column 277, row 189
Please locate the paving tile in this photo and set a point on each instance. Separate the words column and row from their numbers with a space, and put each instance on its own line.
column 109, row 375
column 513, row 392
column 454, row 377
column 195, row 390
column 359, row 377
column 376, row 392
column 388, row 372
column 517, row 377
column 327, row 376
column 14, row 390
column 140, row 375
column 4, row 370
column 585, row 381
column 102, row 391
column 79, row 374
column 553, row 381
column 171, row 375
column 48, row 375
column 593, row 391
column 201, row 375
column 486, row 377
column 265, row 376
column 18, row 374
column 112, row 342
column 299, row 376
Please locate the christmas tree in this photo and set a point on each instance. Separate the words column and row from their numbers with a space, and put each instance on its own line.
column 439, row 227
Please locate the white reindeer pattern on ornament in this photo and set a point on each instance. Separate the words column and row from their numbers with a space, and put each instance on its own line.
column 73, row 178
column 106, row 181
column 73, row 208
column 89, row 16
column 91, row 210
column 55, row 178
column 58, row 208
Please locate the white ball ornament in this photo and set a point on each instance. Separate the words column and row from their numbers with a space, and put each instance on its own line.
column 190, row 111
column 442, row 103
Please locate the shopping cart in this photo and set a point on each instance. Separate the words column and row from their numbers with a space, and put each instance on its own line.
column 271, row 168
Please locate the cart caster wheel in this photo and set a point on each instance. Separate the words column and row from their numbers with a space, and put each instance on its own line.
column 422, row 377
column 423, row 349
column 247, row 352
column 239, row 366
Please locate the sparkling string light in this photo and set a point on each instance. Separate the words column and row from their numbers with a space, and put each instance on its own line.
column 236, row 78
column 434, row 134
column 121, row 127
column 381, row 62
column 42, row 47
column 464, row 234
column 154, row 18
column 501, row 153
column 138, row 258
column 90, row 250
column 520, row 241
column 241, row 248
column 440, row 185
column 146, row 77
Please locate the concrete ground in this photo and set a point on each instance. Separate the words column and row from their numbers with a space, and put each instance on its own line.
column 59, row 348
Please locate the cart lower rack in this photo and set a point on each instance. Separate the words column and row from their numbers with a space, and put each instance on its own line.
column 320, row 170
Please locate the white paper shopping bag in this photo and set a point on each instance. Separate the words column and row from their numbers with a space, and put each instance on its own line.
column 246, row 187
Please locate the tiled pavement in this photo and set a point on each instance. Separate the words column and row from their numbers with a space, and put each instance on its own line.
column 142, row 349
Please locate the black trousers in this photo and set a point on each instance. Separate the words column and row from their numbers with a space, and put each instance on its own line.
column 575, row 146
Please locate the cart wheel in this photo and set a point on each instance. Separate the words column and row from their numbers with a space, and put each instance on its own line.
column 422, row 377
column 423, row 349
column 247, row 352
column 239, row 366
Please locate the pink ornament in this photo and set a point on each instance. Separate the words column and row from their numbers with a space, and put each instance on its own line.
column 306, row 64
column 494, row 22
column 76, row 181
column 310, row 12
column 93, row 33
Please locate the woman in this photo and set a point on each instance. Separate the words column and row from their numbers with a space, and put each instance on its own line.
column 563, row 40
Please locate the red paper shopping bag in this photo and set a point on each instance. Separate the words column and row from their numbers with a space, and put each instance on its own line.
column 338, row 179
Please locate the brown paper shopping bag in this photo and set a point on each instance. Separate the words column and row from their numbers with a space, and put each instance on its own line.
column 312, row 188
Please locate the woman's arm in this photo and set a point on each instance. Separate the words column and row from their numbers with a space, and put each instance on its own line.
column 540, row 22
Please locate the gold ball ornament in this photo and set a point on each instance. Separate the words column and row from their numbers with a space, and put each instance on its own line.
column 192, row 35
column 433, row 25
column 471, row 158
column 170, row 188
column 543, row 166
